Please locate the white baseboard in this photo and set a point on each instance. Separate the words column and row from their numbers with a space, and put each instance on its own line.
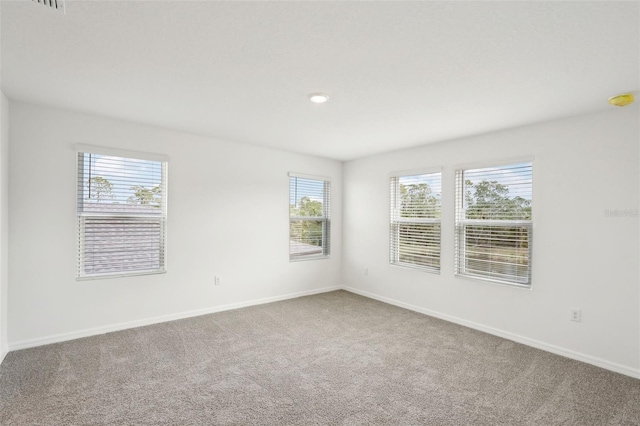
column 2, row 355
column 568, row 353
column 29, row 343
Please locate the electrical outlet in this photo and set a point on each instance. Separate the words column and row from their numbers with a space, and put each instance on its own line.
column 576, row 315
column 216, row 280
column 366, row 270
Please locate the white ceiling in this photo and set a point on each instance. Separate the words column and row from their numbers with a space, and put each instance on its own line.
column 398, row 74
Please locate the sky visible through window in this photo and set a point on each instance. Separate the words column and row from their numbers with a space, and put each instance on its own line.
column 114, row 180
column 431, row 179
column 516, row 177
column 300, row 187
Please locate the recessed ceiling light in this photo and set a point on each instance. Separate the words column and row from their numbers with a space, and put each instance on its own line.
column 621, row 100
column 318, row 98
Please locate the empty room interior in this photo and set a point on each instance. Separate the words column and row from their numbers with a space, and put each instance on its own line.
column 319, row 213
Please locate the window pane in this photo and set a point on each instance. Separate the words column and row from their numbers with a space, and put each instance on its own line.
column 419, row 244
column 497, row 252
column 493, row 223
column 420, row 196
column 415, row 221
column 498, row 193
column 306, row 237
column 113, row 184
column 307, row 197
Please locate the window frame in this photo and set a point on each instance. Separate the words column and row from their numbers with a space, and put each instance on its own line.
column 81, row 215
column 396, row 221
column 461, row 224
column 325, row 219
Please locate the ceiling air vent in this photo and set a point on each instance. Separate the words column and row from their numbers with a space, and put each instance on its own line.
column 54, row 4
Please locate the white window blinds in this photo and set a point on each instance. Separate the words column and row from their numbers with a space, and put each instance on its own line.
column 494, row 223
column 309, row 222
column 415, row 221
column 121, row 215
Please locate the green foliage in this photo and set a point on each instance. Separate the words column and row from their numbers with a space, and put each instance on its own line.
column 490, row 200
column 418, row 243
column 306, row 208
column 99, row 189
column 418, row 201
column 306, row 231
column 146, row 196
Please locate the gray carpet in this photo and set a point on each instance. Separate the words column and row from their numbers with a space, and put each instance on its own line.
column 329, row 359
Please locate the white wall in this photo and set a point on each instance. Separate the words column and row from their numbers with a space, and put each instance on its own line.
column 581, row 259
column 4, row 222
column 4, row 128
column 227, row 216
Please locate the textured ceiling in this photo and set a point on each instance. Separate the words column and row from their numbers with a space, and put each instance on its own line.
column 399, row 74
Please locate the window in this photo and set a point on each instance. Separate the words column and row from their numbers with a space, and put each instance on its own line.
column 122, row 211
column 415, row 221
column 493, row 223
column 309, row 223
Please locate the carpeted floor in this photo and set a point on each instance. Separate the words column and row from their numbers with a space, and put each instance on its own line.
column 329, row 359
